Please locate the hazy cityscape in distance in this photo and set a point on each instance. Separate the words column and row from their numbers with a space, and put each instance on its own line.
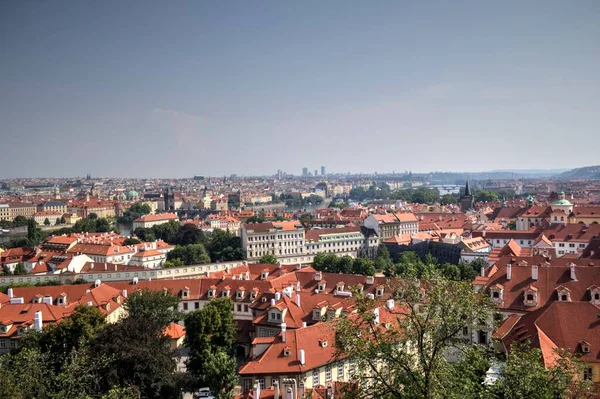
column 299, row 200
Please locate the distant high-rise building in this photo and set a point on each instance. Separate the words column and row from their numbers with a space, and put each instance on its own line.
column 305, row 171
column 316, row 172
column 280, row 174
column 323, row 172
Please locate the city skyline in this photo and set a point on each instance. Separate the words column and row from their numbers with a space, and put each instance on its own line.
column 191, row 86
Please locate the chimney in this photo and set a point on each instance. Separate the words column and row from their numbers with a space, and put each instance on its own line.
column 272, row 301
column 124, row 293
column 90, row 303
column 37, row 321
column 508, row 271
column 97, row 283
column 573, row 276
column 302, row 357
column 283, row 329
column 275, row 390
column 10, row 292
column 298, row 300
column 390, row 304
column 534, row 272
column 303, row 324
column 318, row 276
column 376, row 314
column 482, row 271
column 277, row 296
column 299, row 266
column 257, row 391
column 92, row 265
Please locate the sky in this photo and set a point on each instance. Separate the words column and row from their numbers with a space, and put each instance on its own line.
column 182, row 88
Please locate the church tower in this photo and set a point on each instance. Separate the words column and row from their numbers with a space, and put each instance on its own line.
column 467, row 200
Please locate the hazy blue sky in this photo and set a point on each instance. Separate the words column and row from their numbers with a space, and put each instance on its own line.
column 174, row 88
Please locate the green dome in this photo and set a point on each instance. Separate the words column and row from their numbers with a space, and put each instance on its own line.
column 561, row 202
column 132, row 194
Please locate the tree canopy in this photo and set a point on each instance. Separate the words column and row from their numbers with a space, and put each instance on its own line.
column 268, row 259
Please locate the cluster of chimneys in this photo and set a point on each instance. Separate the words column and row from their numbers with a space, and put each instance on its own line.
column 535, row 272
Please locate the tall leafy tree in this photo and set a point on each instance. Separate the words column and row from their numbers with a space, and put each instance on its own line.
column 408, row 361
column 210, row 336
column 157, row 306
column 20, row 269
column 268, row 259
column 190, row 254
column 189, row 234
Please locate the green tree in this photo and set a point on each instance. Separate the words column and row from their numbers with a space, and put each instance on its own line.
column 144, row 234
column 139, row 356
column 63, row 220
column 189, row 234
column 225, row 246
column 268, row 259
column 512, row 225
column 46, row 222
column 428, row 322
column 156, row 306
column 5, row 271
column 525, row 376
column 59, row 340
column 57, row 222
column 20, row 221
column 131, row 241
column 190, row 254
column 383, row 261
column 448, row 199
column 34, row 234
column 166, row 231
column 19, row 269
column 210, row 336
column 486, row 196
column 102, row 225
column 92, row 216
column 173, row 263
column 256, row 219
column 364, row 267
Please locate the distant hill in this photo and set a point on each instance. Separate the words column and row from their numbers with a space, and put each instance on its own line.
column 587, row 172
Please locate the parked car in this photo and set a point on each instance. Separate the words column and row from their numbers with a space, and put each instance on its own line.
column 204, row 393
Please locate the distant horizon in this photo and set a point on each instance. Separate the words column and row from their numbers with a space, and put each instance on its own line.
column 516, row 171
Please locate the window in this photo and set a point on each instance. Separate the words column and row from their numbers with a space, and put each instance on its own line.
column 185, row 306
column 246, row 308
column 261, row 383
column 315, row 377
column 351, row 368
column 496, row 295
column 2, row 343
column 239, row 308
column 465, row 331
column 328, row 373
column 197, row 305
column 530, row 297
column 588, row 373
column 563, row 297
column 340, row 371
column 597, row 296
column 247, row 384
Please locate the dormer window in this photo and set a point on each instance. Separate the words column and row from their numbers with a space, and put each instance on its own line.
column 317, row 314
column 185, row 293
column 253, row 295
column 240, row 293
column 585, row 347
column 275, row 316
column 379, row 291
column 497, row 293
column 225, row 294
column 287, row 352
column 594, row 294
column 323, row 343
column 322, row 285
column 264, row 274
column 530, row 297
column 212, row 293
column 340, row 287
column 564, row 294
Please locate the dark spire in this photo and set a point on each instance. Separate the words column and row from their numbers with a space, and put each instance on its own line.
column 467, row 189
